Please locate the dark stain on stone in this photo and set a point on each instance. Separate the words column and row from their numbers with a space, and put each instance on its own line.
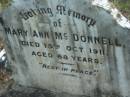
column 13, row 58
column 97, row 92
column 1, row 21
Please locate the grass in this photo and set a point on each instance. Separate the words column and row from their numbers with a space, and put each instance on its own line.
column 123, row 6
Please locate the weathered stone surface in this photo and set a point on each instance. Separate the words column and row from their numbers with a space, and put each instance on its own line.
column 83, row 51
column 21, row 91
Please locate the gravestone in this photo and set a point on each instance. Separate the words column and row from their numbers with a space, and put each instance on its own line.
column 68, row 47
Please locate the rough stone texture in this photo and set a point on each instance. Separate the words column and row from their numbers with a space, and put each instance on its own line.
column 21, row 91
column 112, row 72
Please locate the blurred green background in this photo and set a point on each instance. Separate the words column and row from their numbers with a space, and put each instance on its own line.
column 4, row 3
